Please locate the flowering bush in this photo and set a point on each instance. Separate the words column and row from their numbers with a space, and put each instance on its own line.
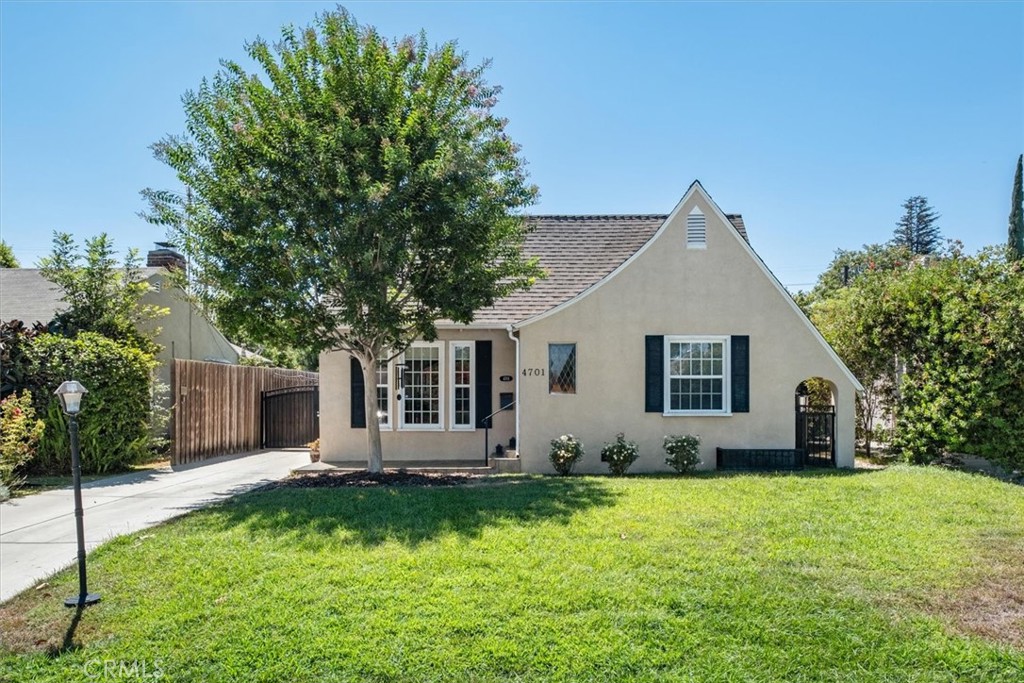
column 620, row 454
column 20, row 432
column 683, row 452
column 565, row 452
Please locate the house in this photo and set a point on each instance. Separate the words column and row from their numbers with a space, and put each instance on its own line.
column 183, row 333
column 646, row 324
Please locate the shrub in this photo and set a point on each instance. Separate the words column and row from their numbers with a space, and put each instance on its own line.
column 20, row 432
column 15, row 338
column 114, row 431
column 565, row 452
column 683, row 452
column 620, row 454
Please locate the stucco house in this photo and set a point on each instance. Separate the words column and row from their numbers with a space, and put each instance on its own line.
column 183, row 333
column 646, row 324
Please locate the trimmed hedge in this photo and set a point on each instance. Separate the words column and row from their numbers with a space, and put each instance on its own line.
column 113, row 429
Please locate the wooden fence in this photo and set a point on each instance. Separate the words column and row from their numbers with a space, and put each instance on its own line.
column 216, row 407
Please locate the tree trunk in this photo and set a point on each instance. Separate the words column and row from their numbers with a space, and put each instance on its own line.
column 374, row 451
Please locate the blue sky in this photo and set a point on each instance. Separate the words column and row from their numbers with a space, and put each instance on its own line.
column 815, row 121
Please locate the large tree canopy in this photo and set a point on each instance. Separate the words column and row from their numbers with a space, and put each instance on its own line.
column 349, row 194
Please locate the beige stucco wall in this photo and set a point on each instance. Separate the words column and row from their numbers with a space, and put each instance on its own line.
column 339, row 442
column 672, row 290
column 184, row 332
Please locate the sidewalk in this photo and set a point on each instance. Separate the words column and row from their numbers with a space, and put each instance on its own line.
column 37, row 532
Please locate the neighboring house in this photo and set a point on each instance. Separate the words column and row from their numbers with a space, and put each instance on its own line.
column 184, row 332
column 646, row 324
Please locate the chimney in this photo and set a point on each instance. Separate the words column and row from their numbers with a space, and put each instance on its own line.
column 164, row 256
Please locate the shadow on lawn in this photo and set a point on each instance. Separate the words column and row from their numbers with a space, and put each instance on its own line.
column 411, row 515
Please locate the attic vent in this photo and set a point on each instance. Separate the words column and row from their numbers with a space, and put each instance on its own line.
column 696, row 230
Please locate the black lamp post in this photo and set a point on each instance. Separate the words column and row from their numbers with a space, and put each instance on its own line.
column 71, row 394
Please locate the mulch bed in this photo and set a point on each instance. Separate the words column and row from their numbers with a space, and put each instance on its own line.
column 363, row 479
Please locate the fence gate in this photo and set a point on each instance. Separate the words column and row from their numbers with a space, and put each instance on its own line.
column 290, row 416
column 815, row 434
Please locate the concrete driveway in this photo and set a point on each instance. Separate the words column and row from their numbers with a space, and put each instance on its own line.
column 37, row 533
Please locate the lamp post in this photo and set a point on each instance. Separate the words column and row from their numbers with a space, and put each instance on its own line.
column 71, row 394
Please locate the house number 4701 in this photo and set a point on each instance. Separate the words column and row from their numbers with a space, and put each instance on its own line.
column 533, row 372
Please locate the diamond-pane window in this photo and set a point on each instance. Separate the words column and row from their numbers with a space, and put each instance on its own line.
column 562, row 368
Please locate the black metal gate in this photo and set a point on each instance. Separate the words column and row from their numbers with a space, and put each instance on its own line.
column 290, row 416
column 816, row 435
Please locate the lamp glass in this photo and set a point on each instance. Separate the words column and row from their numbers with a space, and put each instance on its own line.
column 71, row 393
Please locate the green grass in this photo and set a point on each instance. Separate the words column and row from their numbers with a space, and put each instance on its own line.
column 827, row 577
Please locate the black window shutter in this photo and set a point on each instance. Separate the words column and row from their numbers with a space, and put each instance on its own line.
column 654, row 374
column 358, row 393
column 740, row 374
column 483, row 381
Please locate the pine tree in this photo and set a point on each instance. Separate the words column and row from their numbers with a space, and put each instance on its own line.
column 916, row 229
column 1016, row 241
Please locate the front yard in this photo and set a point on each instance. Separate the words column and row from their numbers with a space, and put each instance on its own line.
column 903, row 574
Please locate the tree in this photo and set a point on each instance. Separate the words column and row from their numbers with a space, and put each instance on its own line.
column 348, row 194
column 100, row 296
column 848, row 265
column 916, row 229
column 1016, row 240
column 849, row 319
column 7, row 257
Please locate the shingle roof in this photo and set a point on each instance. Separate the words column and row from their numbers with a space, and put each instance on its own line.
column 27, row 296
column 577, row 252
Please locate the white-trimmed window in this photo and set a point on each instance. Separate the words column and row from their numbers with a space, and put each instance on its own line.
column 461, row 362
column 696, row 375
column 422, row 404
column 383, row 394
column 696, row 230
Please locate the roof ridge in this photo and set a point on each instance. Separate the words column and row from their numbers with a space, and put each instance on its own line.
column 582, row 216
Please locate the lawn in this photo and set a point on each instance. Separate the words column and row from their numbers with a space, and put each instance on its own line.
column 904, row 574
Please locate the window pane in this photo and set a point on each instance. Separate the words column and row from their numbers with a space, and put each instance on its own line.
column 422, row 386
column 562, row 368
column 462, row 385
column 383, row 416
column 695, row 374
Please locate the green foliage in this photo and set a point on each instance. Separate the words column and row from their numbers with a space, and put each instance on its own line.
column 20, row 432
column 620, row 454
column 941, row 344
column 1016, row 237
column 565, row 452
column 849, row 265
column 958, row 326
column 359, row 189
column 851, row 321
column 916, row 229
column 348, row 193
column 7, row 257
column 15, row 338
column 683, row 452
column 100, row 296
column 114, row 430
